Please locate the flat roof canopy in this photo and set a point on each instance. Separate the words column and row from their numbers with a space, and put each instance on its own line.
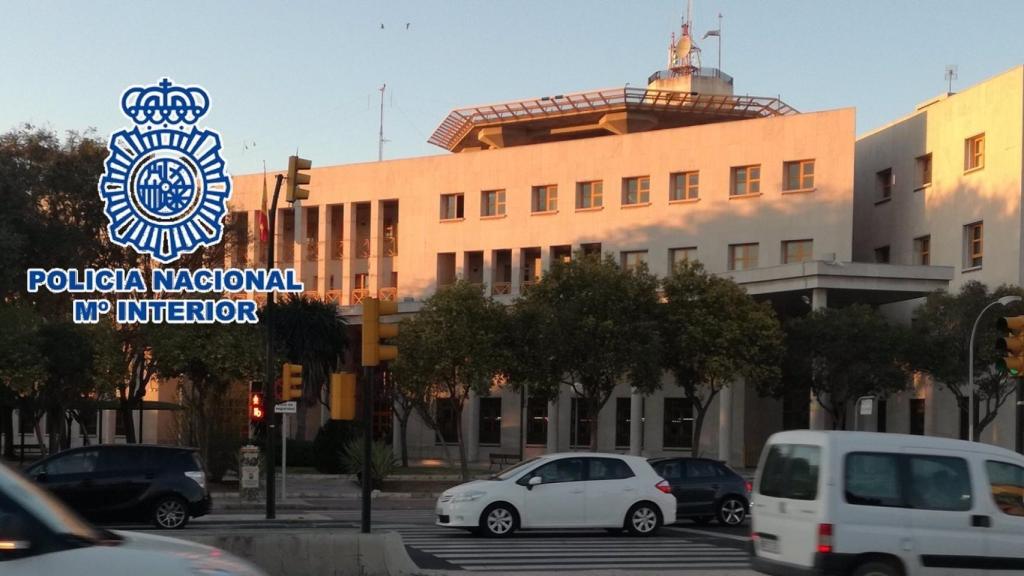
column 594, row 113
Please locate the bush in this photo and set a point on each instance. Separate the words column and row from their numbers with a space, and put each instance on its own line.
column 329, row 445
column 300, row 453
column 382, row 460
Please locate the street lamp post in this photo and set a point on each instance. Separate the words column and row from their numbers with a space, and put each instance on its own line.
column 970, row 363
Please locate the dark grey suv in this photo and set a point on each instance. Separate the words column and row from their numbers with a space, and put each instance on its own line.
column 164, row 485
column 705, row 489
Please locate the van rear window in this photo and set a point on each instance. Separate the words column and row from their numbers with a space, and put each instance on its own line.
column 791, row 471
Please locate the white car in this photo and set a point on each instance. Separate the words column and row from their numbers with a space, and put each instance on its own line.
column 584, row 490
column 39, row 535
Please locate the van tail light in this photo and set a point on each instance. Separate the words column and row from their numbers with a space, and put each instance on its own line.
column 664, row 486
column 825, row 538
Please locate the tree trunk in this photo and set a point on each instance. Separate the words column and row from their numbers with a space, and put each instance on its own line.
column 594, row 428
column 124, row 412
column 403, row 437
column 698, row 426
column 7, row 414
column 463, row 465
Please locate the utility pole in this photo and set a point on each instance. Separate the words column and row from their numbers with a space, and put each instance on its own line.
column 268, row 381
column 380, row 138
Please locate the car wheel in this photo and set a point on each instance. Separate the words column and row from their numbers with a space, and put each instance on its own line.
column 498, row 520
column 732, row 512
column 643, row 519
column 877, row 568
column 702, row 520
column 170, row 513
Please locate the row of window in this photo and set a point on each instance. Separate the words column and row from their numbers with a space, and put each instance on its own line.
column 973, row 248
column 798, row 176
column 974, row 159
column 677, row 425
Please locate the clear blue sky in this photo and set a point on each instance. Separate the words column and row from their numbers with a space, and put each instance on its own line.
column 287, row 75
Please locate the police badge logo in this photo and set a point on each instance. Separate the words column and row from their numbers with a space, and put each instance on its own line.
column 164, row 186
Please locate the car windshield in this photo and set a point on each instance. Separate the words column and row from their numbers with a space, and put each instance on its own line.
column 46, row 508
column 513, row 470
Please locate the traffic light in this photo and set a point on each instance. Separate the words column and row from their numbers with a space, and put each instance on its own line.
column 257, row 411
column 343, row 396
column 1010, row 344
column 291, row 382
column 374, row 331
column 296, row 178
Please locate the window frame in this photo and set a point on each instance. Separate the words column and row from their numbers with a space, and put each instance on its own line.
column 988, row 479
column 885, row 183
column 908, row 496
column 643, row 190
column 497, row 421
column 885, row 250
column 974, row 248
column 673, row 262
column 459, row 206
column 690, row 189
column 625, row 255
column 923, row 250
column 749, row 181
column 733, row 260
column 499, row 203
column 549, row 194
column 923, row 167
column 686, row 438
column 623, row 425
column 543, row 425
column 974, row 152
column 594, row 195
column 785, row 250
column 801, row 176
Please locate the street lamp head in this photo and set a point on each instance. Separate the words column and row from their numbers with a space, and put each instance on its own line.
column 1008, row 300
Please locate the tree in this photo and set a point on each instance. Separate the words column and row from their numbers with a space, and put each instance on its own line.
column 451, row 348
column 941, row 333
column 21, row 366
column 846, row 353
column 588, row 324
column 713, row 332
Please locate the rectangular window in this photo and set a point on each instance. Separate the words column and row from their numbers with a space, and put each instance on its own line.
column 677, row 255
column 742, row 256
column 883, row 416
column 883, row 184
column 492, row 203
column 924, row 171
column 589, row 194
column 797, row 251
column 678, row 423
column 89, row 418
column 580, row 424
column 26, row 424
column 633, row 260
column 882, row 254
column 623, row 407
column 791, row 471
column 1007, row 484
column 923, row 250
column 938, row 483
column 974, row 245
column 873, row 480
column 917, row 416
column 545, row 198
column 452, row 206
column 490, row 421
column 746, row 180
column 974, row 152
column 446, row 421
column 684, row 186
column 799, row 175
column 636, row 190
column 536, row 421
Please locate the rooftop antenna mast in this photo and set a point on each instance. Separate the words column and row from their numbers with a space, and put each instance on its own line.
column 951, row 74
column 380, row 138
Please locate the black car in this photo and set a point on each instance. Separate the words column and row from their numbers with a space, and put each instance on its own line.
column 164, row 485
column 705, row 489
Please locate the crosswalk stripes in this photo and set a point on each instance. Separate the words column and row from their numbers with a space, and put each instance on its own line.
column 441, row 548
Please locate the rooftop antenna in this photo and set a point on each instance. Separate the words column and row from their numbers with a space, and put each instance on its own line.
column 951, row 74
column 381, row 140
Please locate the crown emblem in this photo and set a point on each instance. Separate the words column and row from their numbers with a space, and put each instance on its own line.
column 165, row 103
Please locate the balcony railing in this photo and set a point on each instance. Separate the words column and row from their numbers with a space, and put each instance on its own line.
column 501, row 288
column 527, row 284
column 364, row 248
column 311, row 294
column 334, row 297
column 390, row 246
column 388, row 294
column 337, row 249
column 359, row 294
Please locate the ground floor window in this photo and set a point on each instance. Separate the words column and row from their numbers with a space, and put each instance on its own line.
column 536, row 421
column 582, row 424
column 447, row 428
column 623, row 406
column 917, row 416
column 89, row 417
column 678, row 423
column 490, row 421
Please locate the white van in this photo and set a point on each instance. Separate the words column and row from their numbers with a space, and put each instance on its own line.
column 868, row 504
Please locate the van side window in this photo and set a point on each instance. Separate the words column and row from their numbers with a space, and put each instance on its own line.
column 873, row 479
column 791, row 471
column 1007, row 483
column 939, row 483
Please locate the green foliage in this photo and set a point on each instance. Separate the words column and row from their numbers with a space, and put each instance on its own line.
column 941, row 332
column 21, row 360
column 846, row 353
column 712, row 333
column 329, row 445
column 311, row 333
column 300, row 453
column 588, row 324
column 382, row 460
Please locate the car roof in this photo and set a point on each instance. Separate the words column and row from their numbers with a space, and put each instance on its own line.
column 846, row 440
column 560, row 455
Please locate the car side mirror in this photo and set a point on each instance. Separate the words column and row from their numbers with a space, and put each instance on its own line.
column 534, row 481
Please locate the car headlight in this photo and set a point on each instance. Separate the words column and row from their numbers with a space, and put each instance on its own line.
column 468, row 496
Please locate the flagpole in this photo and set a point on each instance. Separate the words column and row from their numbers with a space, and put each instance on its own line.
column 719, row 43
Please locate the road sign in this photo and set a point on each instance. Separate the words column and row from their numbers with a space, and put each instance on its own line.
column 866, row 406
column 250, row 477
column 286, row 407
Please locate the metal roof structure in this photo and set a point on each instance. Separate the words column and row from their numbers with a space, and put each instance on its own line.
column 569, row 116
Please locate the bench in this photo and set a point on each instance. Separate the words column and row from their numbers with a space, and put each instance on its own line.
column 502, row 460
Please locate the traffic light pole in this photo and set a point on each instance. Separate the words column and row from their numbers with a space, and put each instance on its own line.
column 269, row 397
column 368, row 375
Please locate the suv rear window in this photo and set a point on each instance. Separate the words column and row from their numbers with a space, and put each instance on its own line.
column 791, row 471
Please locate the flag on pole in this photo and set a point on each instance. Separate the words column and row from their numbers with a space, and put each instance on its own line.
column 712, row 33
column 264, row 224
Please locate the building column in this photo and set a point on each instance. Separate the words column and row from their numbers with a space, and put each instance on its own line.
column 349, row 251
column 818, row 417
column 725, row 408
column 253, row 242
column 299, row 238
column 376, row 242
column 517, row 271
column 488, row 272
column 545, row 260
column 471, row 427
column 323, row 249
column 553, row 407
column 635, row 422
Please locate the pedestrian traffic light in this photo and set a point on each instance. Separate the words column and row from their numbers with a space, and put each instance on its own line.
column 296, row 178
column 374, row 331
column 1010, row 344
column 256, row 408
column 291, row 382
column 343, row 396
